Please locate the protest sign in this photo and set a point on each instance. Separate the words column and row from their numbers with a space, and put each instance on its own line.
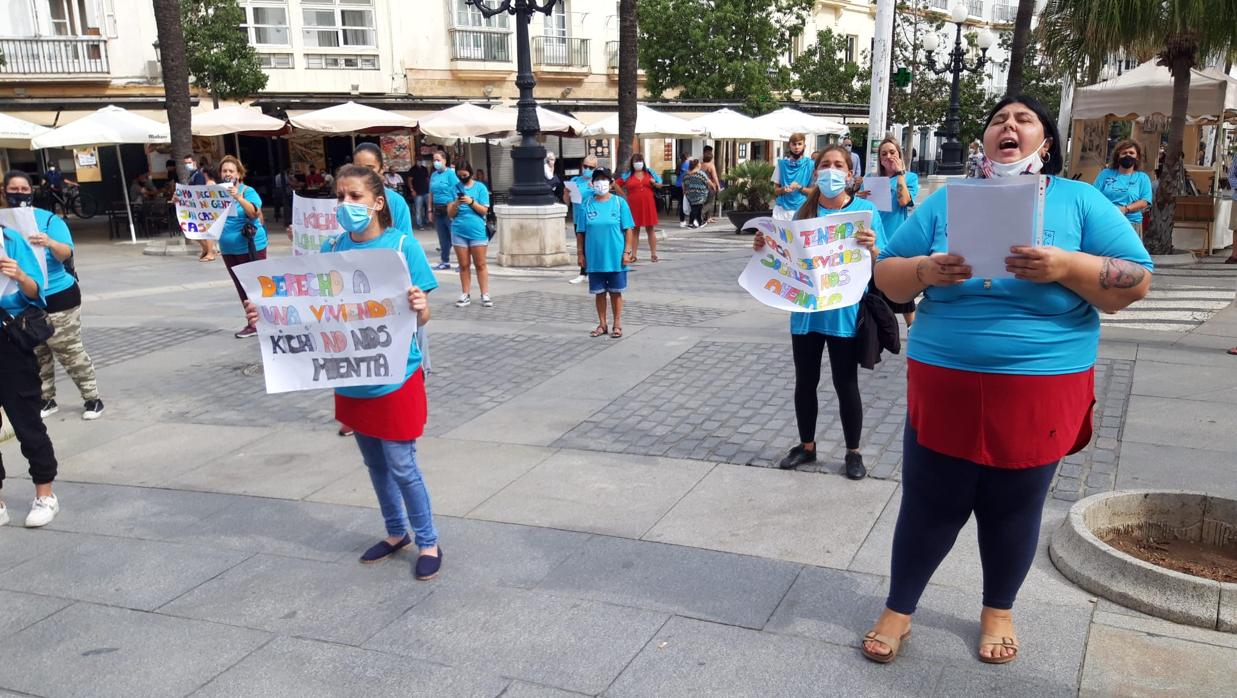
column 331, row 320
column 201, row 210
column 313, row 222
column 23, row 221
column 810, row 265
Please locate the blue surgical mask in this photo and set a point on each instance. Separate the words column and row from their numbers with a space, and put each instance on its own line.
column 440, row 166
column 831, row 182
column 587, row 172
column 353, row 218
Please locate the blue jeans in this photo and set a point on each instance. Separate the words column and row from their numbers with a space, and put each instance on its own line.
column 402, row 495
column 418, row 210
column 443, row 225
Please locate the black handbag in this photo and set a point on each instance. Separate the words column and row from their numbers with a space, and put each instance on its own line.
column 29, row 329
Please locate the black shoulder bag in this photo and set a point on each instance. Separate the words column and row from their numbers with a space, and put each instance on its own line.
column 28, row 329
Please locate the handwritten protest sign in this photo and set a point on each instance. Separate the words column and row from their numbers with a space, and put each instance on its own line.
column 23, row 221
column 810, row 265
column 331, row 320
column 201, row 210
column 313, row 222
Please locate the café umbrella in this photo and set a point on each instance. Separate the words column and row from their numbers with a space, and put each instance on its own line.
column 17, row 133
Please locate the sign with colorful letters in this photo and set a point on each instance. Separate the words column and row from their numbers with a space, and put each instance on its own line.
column 202, row 209
column 810, row 265
column 313, row 223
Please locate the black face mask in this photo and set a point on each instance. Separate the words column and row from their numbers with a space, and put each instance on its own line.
column 1127, row 161
column 465, row 178
column 20, row 200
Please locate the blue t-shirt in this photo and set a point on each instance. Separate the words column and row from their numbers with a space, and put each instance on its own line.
column 1016, row 327
column 1125, row 189
column 231, row 241
column 605, row 233
column 467, row 223
column 585, row 185
column 791, row 170
column 840, row 322
column 678, row 180
column 443, row 186
column 401, row 217
column 16, row 247
column 892, row 220
column 420, row 275
column 51, row 225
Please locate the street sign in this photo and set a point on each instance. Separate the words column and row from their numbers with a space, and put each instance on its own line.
column 902, row 78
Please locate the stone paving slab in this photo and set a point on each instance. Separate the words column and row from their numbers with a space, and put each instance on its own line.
column 132, row 512
column 1155, row 466
column 1134, row 664
column 577, row 308
column 566, row 643
column 504, row 554
column 300, row 668
column 722, row 587
column 829, row 605
column 91, row 651
column 523, row 689
column 19, row 611
column 109, row 346
column 18, row 545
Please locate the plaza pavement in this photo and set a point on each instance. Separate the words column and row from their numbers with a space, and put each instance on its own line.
column 610, row 519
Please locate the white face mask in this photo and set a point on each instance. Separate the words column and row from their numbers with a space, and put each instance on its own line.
column 1031, row 164
column 637, row 166
column 601, row 188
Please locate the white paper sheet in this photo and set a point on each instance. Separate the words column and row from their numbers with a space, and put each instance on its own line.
column 881, row 195
column 23, row 221
column 574, row 192
column 986, row 217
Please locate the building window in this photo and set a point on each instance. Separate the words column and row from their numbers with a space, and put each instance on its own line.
column 467, row 16
column 851, row 42
column 73, row 17
column 275, row 61
column 342, row 23
column 327, row 61
column 267, row 24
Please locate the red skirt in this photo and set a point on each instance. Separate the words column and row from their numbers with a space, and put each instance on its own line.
column 397, row 416
column 999, row 420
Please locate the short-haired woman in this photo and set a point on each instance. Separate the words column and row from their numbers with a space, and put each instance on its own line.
column 606, row 246
column 1126, row 186
column 637, row 185
column 792, row 175
column 1000, row 375
column 244, row 237
column 443, row 188
column 23, row 284
column 64, row 305
column 812, row 333
column 388, row 419
column 468, row 235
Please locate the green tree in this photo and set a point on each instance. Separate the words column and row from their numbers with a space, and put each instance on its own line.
column 719, row 49
column 823, row 73
column 1083, row 34
column 218, row 50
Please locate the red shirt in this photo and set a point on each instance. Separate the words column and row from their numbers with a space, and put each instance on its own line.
column 397, row 416
column 1004, row 421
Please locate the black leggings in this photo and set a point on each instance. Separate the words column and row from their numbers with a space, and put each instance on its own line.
column 939, row 493
column 808, row 349
column 20, row 396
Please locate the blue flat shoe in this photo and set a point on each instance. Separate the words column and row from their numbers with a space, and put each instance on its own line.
column 428, row 566
column 382, row 550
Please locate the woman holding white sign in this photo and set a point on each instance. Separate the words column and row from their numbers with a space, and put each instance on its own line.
column 1000, row 374
column 388, row 419
column 812, row 333
column 905, row 186
column 244, row 237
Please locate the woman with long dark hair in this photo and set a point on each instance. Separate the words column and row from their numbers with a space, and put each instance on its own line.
column 369, row 155
column 637, row 186
column 468, row 235
column 1126, row 186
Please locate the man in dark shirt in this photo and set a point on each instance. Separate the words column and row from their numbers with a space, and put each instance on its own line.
column 196, row 178
column 419, row 180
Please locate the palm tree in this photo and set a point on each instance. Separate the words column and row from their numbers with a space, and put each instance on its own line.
column 172, row 59
column 1183, row 34
column 1018, row 51
column 626, row 81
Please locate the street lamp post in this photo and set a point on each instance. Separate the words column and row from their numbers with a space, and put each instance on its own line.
column 951, row 149
column 530, row 187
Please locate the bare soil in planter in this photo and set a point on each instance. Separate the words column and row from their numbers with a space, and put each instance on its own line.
column 1201, row 560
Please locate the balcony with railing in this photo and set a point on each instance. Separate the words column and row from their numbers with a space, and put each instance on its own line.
column 612, row 51
column 560, row 52
column 481, row 46
column 1004, row 12
column 58, row 56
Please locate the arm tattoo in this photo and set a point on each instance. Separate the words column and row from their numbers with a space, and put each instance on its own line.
column 1118, row 273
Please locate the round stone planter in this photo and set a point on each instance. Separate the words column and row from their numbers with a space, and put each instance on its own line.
column 1102, row 569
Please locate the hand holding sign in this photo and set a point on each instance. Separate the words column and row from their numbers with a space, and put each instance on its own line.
column 811, row 265
column 202, row 210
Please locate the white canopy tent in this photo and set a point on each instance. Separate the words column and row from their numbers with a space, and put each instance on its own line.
column 788, row 121
column 650, row 123
column 727, row 124
column 234, row 119
column 465, row 121
column 549, row 121
column 1148, row 89
column 350, row 117
column 112, row 126
column 16, row 133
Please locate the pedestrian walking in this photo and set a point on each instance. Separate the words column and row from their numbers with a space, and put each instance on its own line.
column 637, row 185
column 1000, row 375
column 1126, row 186
column 696, row 191
column 388, row 419
column 584, row 185
column 715, row 184
column 419, row 185
column 468, row 236
column 443, row 188
column 369, row 155
column 63, row 305
column 791, row 176
column 905, row 186
column 836, row 330
column 24, row 286
column 244, row 236
column 685, row 164
column 605, row 248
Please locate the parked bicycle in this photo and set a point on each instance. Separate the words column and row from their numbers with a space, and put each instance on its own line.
column 72, row 199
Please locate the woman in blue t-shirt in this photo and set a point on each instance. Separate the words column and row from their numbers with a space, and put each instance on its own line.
column 605, row 247
column 22, row 285
column 1000, row 378
column 905, row 186
column 388, row 419
column 1127, row 187
column 369, row 155
column 443, row 189
column 64, row 305
column 811, row 333
column 792, row 176
column 244, row 237
column 468, row 235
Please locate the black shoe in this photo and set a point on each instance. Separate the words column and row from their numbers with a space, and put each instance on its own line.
column 796, row 457
column 382, row 550
column 855, row 469
column 428, row 566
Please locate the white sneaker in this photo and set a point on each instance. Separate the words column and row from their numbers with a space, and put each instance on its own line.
column 42, row 511
column 4, row 514
column 463, row 301
column 579, row 279
column 486, row 302
column 682, row 224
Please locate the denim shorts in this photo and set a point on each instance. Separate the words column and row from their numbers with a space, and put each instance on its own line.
column 457, row 241
column 607, row 282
